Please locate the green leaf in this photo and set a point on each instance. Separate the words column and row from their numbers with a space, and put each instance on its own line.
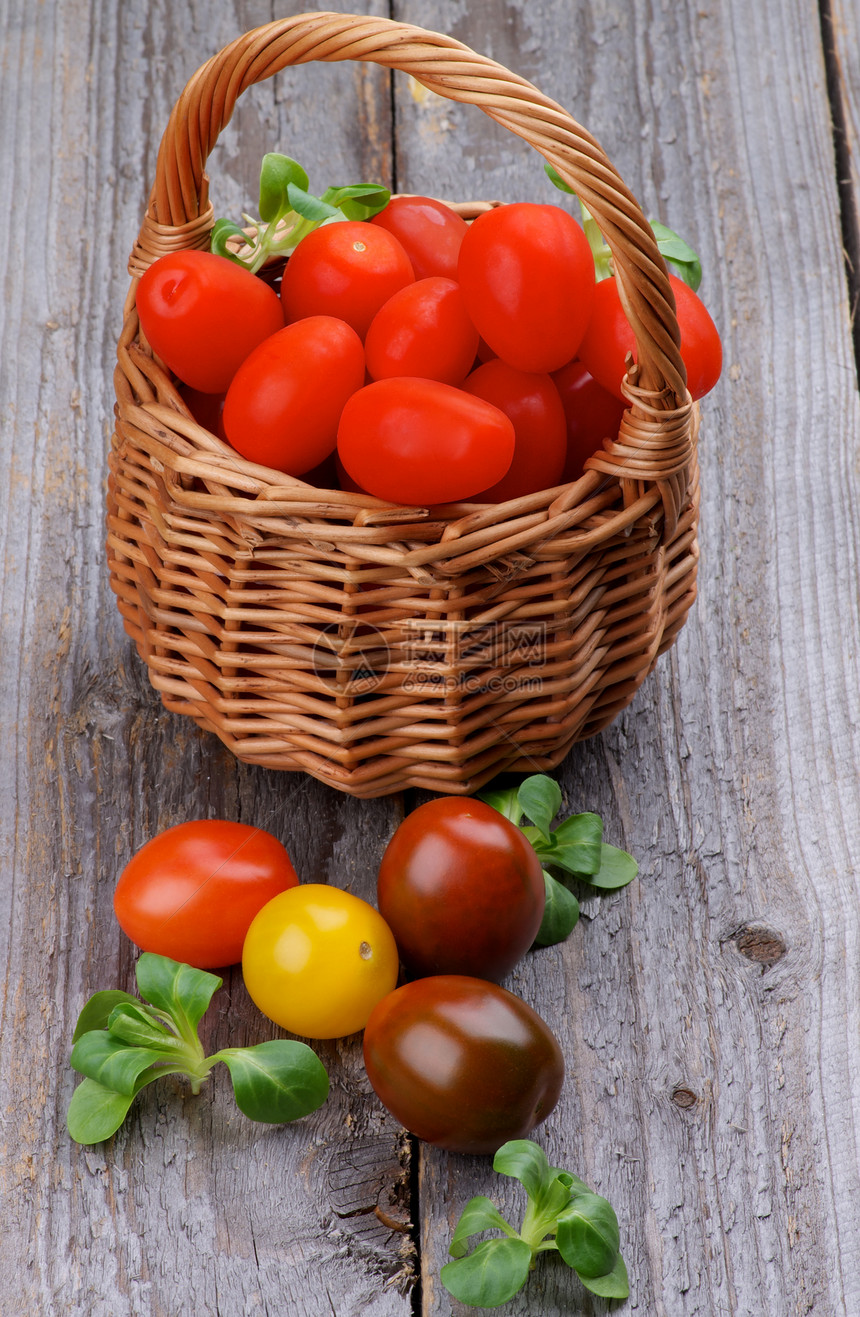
column 617, row 869
column 358, row 201
column 588, row 1235
column 525, row 1161
column 560, row 914
column 310, row 207
column 135, row 1025
column 174, row 988
column 277, row 174
column 111, row 1063
column 96, row 1012
column 276, row 1081
column 489, row 1276
column 540, row 800
column 577, row 844
column 557, row 181
column 222, row 231
column 478, row 1214
column 505, row 800
column 96, row 1112
column 614, row 1285
column 678, row 254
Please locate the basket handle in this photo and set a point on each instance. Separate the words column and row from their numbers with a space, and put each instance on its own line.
column 179, row 213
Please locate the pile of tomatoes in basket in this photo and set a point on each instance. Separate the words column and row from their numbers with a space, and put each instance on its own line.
column 412, row 356
column 459, row 1060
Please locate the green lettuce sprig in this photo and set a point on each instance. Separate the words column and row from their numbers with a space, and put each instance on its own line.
column 562, row 1216
column 289, row 212
column 677, row 254
column 575, row 847
column 121, row 1044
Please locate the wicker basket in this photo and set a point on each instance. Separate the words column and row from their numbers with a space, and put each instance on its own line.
column 379, row 647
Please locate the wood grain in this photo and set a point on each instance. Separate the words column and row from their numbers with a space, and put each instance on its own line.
column 709, row 1013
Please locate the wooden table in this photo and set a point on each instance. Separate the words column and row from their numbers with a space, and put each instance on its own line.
column 709, row 1013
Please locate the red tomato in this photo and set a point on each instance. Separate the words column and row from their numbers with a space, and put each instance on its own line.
column 609, row 338
column 203, row 315
column 423, row 330
column 285, row 402
column 461, row 889
column 462, row 1063
column 592, row 415
column 527, row 275
column 206, row 408
column 418, row 441
column 347, row 270
column 191, row 892
column 532, row 403
column 429, row 231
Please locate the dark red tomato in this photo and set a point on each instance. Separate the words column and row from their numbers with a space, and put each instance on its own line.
column 527, row 275
column 285, row 402
column 429, row 231
column 461, row 889
column 206, row 408
column 592, row 415
column 203, row 315
column 191, row 892
column 609, row 338
column 418, row 441
column 347, row 270
column 462, row 1063
column 423, row 330
column 344, row 479
column 532, row 403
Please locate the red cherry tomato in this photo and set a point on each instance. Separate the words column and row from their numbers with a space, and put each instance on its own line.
column 192, row 891
column 206, row 408
column 591, row 413
column 532, row 403
column 527, row 275
column 285, row 402
column 461, row 889
column 418, row 441
column 462, row 1063
column 347, row 270
column 423, row 330
column 203, row 315
column 609, row 338
column 429, row 231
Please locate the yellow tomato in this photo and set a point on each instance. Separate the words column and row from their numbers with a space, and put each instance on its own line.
column 316, row 960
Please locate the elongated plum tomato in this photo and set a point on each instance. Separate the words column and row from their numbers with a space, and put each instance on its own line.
column 591, row 412
column 423, row 330
column 418, row 441
column 317, row 959
column 527, row 275
column 462, row 1063
column 203, row 316
column 191, row 892
column 283, row 407
column 462, row 890
column 347, row 270
column 609, row 338
column 532, row 403
column 429, row 232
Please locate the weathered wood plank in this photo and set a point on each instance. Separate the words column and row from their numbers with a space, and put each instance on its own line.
column 710, row 1091
column 191, row 1208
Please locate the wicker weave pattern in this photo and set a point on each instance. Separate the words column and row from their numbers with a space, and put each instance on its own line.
column 378, row 647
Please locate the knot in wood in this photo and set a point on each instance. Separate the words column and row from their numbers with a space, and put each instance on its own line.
column 684, row 1098
column 759, row 944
